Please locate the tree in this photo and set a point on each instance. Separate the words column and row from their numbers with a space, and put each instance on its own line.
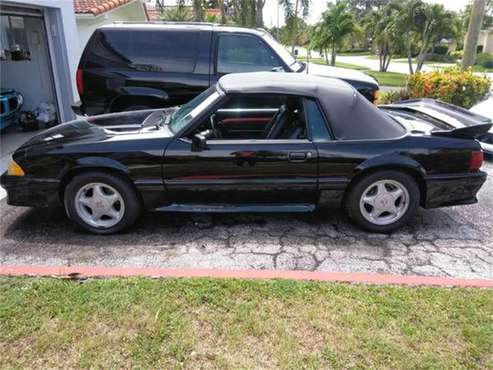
column 179, row 13
column 245, row 12
column 222, row 8
column 382, row 26
column 435, row 23
column 337, row 22
column 487, row 18
column 475, row 22
column 198, row 10
column 259, row 13
column 292, row 17
column 409, row 12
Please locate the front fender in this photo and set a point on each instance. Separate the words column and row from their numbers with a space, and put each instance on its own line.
column 94, row 162
column 143, row 92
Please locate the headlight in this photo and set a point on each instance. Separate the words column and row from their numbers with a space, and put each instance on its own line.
column 15, row 169
column 20, row 100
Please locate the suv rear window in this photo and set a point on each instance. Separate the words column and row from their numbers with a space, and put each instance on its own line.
column 145, row 50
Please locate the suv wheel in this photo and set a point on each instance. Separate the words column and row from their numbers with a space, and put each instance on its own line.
column 101, row 203
column 383, row 201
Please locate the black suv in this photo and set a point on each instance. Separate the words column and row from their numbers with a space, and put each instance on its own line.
column 139, row 66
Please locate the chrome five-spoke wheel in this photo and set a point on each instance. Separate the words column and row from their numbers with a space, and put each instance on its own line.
column 384, row 202
column 99, row 205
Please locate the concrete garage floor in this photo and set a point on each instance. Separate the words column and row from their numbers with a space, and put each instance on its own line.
column 456, row 242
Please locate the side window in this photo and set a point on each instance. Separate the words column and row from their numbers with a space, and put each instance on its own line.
column 157, row 51
column 243, row 53
column 257, row 117
column 316, row 120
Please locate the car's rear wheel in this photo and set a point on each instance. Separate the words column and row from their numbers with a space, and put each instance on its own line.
column 383, row 201
column 101, row 203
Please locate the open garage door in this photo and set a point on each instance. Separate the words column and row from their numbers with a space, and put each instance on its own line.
column 26, row 67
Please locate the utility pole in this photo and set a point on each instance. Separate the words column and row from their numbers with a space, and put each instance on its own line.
column 475, row 22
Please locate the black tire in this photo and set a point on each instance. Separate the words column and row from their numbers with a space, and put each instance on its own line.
column 132, row 205
column 352, row 200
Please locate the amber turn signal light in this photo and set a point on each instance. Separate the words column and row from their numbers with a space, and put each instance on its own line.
column 15, row 169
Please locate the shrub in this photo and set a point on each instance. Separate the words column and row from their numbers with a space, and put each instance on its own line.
column 458, row 54
column 393, row 96
column 485, row 60
column 451, row 85
column 441, row 58
column 440, row 49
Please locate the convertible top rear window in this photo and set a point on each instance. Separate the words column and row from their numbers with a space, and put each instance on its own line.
column 361, row 121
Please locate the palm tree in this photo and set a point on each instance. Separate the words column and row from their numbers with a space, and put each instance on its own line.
column 244, row 12
column 382, row 25
column 337, row 22
column 259, row 13
column 436, row 24
column 179, row 13
column 198, row 10
column 410, row 12
column 223, row 11
column 292, row 16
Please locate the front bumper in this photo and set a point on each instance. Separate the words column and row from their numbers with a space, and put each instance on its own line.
column 30, row 192
column 453, row 189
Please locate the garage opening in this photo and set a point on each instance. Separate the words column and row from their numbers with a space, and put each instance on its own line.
column 26, row 82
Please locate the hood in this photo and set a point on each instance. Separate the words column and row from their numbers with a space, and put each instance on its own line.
column 108, row 127
column 78, row 130
column 341, row 73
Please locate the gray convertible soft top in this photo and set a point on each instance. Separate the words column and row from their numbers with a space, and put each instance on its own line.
column 351, row 116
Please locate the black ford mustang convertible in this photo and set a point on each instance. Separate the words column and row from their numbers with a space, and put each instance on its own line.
column 260, row 142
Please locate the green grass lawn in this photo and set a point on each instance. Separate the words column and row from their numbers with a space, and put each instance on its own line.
column 482, row 69
column 384, row 78
column 208, row 323
column 389, row 78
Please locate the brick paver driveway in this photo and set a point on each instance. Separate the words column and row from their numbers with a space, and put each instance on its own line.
column 455, row 241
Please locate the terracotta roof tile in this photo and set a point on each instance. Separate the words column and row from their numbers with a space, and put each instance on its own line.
column 96, row 7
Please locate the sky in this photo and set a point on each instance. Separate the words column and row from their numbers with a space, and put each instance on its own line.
column 318, row 6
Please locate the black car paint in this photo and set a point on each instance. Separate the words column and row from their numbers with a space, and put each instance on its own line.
column 167, row 173
column 115, row 88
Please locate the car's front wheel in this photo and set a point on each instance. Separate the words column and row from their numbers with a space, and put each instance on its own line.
column 383, row 201
column 101, row 203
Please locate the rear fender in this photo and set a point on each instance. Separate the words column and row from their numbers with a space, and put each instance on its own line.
column 390, row 161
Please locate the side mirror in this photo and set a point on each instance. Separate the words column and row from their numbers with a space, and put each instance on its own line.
column 199, row 140
column 295, row 52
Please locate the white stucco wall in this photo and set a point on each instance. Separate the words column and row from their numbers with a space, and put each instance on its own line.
column 486, row 39
column 86, row 24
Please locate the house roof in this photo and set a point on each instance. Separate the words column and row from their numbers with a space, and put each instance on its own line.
column 97, row 7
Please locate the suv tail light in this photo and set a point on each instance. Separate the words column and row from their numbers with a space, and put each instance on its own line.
column 476, row 160
column 79, row 79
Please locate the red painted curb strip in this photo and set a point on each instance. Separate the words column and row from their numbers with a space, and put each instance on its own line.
column 102, row 271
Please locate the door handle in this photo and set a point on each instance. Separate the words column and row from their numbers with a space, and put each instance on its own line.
column 299, row 156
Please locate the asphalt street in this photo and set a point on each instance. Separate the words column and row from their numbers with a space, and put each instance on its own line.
column 455, row 241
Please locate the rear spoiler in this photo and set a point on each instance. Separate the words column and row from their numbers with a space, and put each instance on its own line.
column 471, row 132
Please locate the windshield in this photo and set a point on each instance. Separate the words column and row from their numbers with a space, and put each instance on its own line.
column 283, row 53
column 189, row 111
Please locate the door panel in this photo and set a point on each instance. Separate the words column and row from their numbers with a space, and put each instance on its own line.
column 242, row 171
